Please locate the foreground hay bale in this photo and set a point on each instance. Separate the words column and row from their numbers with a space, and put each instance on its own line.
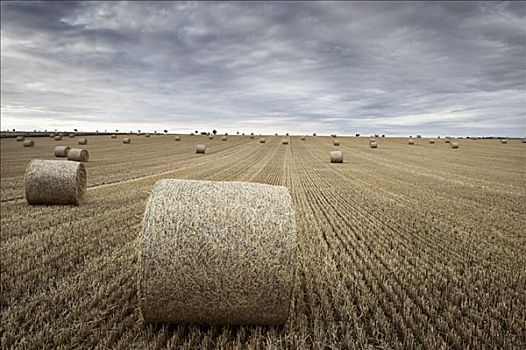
column 78, row 154
column 373, row 144
column 58, row 137
column 431, row 141
column 55, row 182
column 29, row 143
column 126, row 140
column 61, row 151
column 20, row 138
column 262, row 140
column 454, row 145
column 113, row 136
column 336, row 156
column 504, row 141
column 201, row 149
column 217, row 253
column 284, row 142
column 177, row 138
column 411, row 142
column 336, row 143
column 83, row 141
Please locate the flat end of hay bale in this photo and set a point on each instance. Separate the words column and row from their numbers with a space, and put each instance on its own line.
column 336, row 156
column 78, row 155
column 200, row 149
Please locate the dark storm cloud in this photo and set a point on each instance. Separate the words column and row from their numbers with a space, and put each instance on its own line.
column 426, row 67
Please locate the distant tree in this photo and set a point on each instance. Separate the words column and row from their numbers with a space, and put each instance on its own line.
column 165, row 131
column 14, row 130
column 357, row 135
column 139, row 130
column 251, row 134
column 75, row 130
column 116, row 130
column 238, row 132
column 214, row 131
column 197, row 132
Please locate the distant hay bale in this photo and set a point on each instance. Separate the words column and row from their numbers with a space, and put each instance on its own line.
column 447, row 141
column 284, row 142
column 336, row 143
column 210, row 137
column 58, row 137
column 29, row 143
column 523, row 140
column 336, row 156
column 71, row 136
column 113, row 136
column 55, row 182
column 303, row 138
column 287, row 134
column 411, row 142
column 51, row 136
column 251, row 137
column 78, row 154
column 61, row 151
column 224, row 138
column 372, row 140
column 373, row 144
column 376, row 135
column 217, row 253
column 503, row 141
column 418, row 136
column 20, row 138
column 177, row 138
column 147, row 135
column 200, row 149
column 262, row 140
column 454, row 145
column 431, row 141
column 126, row 140
column 83, row 141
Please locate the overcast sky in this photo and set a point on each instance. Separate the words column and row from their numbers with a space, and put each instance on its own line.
column 440, row 68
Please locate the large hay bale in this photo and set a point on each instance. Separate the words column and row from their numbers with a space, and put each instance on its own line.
column 177, row 138
column 411, row 142
column 454, row 145
column 29, row 143
column 200, row 149
column 219, row 253
column 224, row 138
column 58, row 137
column 78, row 154
column 61, row 151
column 503, row 141
column 336, row 143
column 126, row 140
column 373, row 144
column 20, row 138
column 55, row 182
column 431, row 141
column 284, row 142
column 336, row 156
column 83, row 141
column 262, row 140
column 113, row 136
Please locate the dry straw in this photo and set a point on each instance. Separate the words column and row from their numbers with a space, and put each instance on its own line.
column 55, row 182
column 58, row 137
column 454, row 145
column 262, row 140
column 29, row 143
column 83, row 141
column 126, row 140
column 20, row 138
column 177, row 138
column 200, row 149
column 61, row 151
column 113, row 136
column 336, row 143
column 78, row 154
column 284, row 142
column 411, row 142
column 336, row 156
column 217, row 253
column 373, row 144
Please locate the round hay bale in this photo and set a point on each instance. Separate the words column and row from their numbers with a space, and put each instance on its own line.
column 431, row 141
column 372, row 140
column 262, row 140
column 126, row 140
column 454, row 145
column 201, row 149
column 219, row 253
column 336, row 156
column 61, row 151
column 78, row 154
column 210, row 137
column 447, row 141
column 373, row 144
column 336, row 143
column 20, row 138
column 71, row 136
column 113, row 136
column 303, row 138
column 83, row 141
column 224, row 138
column 284, row 142
column 177, row 138
column 251, row 137
column 55, row 182
column 58, row 137
column 504, row 141
column 147, row 135
column 29, row 143
column 411, row 142
column 51, row 136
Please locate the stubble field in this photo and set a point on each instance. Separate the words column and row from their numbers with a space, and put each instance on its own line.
column 399, row 247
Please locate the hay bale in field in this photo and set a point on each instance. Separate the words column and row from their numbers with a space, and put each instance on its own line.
column 373, row 144
column 447, row 141
column 418, row 136
column 336, row 143
column 147, row 135
column 55, row 182
column 303, row 138
column 284, row 142
column 224, row 138
column 220, row 253
column 372, row 140
column 83, row 141
column 126, row 140
column 113, row 136
column 523, row 140
column 411, row 142
column 61, row 151
column 20, row 138
column 251, row 137
column 58, row 137
column 177, row 138
column 71, row 136
column 200, row 149
column 431, row 141
column 210, row 137
column 78, row 154
column 29, row 143
column 336, row 156
column 51, row 136
column 454, row 145
column 503, row 141
column 262, row 140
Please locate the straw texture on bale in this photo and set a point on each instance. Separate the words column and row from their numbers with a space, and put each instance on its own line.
column 29, row 143
column 336, row 156
column 454, row 145
column 219, row 253
column 20, row 138
column 126, row 140
column 58, row 138
column 55, row 182
column 284, row 142
column 177, row 138
column 78, row 154
column 411, row 142
column 83, row 141
column 431, row 141
column 373, row 144
column 262, row 140
column 503, row 141
column 113, row 136
column 224, row 138
column 336, row 142
column 200, row 149
column 61, row 151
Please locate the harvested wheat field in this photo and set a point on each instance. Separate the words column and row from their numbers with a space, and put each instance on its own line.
column 402, row 247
